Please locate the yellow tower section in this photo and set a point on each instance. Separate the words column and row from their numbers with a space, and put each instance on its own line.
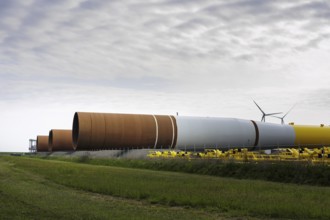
column 308, row 135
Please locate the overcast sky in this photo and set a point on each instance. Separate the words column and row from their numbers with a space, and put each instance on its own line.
column 195, row 57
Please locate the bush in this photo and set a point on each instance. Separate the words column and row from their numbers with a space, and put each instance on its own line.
column 84, row 158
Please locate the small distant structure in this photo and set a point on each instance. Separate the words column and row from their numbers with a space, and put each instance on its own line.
column 264, row 115
column 282, row 118
column 32, row 145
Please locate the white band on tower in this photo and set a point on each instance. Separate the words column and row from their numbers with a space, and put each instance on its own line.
column 156, row 131
column 173, row 134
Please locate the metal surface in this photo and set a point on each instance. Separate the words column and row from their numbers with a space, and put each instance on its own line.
column 100, row 131
column 275, row 135
column 42, row 143
column 307, row 135
column 195, row 133
column 60, row 140
column 97, row 131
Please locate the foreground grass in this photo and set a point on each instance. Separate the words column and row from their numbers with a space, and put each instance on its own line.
column 218, row 196
column 285, row 172
column 27, row 195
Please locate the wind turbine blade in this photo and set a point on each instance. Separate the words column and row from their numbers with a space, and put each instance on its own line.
column 290, row 110
column 276, row 117
column 259, row 107
column 274, row 113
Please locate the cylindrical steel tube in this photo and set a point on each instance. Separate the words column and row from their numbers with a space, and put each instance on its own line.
column 307, row 135
column 275, row 135
column 60, row 140
column 97, row 131
column 42, row 143
column 195, row 133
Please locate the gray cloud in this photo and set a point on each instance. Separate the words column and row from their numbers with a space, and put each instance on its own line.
column 164, row 29
column 317, row 98
column 195, row 56
column 94, row 5
column 130, row 32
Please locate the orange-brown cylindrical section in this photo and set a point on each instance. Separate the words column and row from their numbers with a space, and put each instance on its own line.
column 166, row 131
column 96, row 131
column 60, row 140
column 129, row 131
column 42, row 143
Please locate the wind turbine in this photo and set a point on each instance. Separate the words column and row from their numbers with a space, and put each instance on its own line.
column 282, row 118
column 263, row 118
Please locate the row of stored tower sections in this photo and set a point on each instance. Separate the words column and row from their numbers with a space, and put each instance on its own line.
column 106, row 131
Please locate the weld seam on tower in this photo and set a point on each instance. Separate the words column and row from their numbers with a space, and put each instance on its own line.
column 91, row 133
column 173, row 132
column 156, row 141
column 105, row 133
column 257, row 134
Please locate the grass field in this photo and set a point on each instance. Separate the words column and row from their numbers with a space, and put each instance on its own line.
column 277, row 171
column 49, row 189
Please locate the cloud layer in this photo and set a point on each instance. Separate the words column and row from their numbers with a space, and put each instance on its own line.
column 199, row 57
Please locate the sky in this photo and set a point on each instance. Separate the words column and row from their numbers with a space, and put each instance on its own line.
column 195, row 57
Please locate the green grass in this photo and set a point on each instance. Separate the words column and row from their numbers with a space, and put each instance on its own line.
column 286, row 172
column 206, row 194
column 29, row 195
